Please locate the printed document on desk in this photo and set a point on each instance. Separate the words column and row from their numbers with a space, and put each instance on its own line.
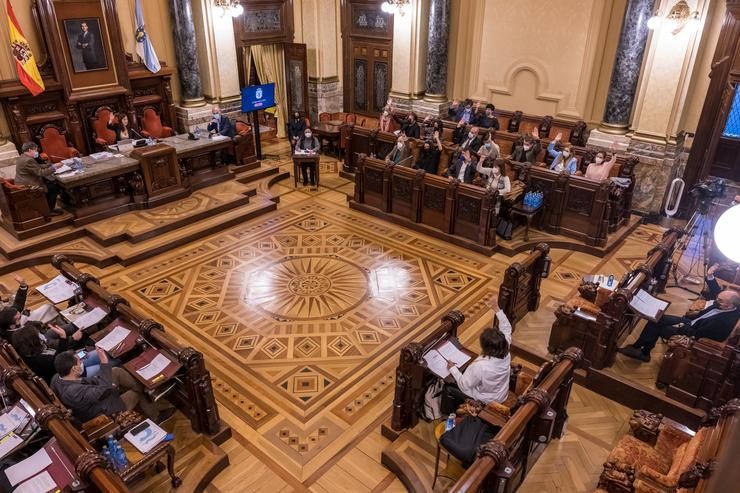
column 145, row 436
column 450, row 352
column 8, row 443
column 28, row 467
column 436, row 363
column 159, row 363
column 113, row 339
column 41, row 483
column 58, row 289
column 86, row 319
column 648, row 306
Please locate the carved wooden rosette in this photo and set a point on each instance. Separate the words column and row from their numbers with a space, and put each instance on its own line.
column 645, row 425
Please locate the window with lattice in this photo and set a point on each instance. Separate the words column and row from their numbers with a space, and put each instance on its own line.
column 732, row 127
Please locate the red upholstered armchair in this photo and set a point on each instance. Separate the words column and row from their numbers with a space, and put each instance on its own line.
column 151, row 125
column 103, row 136
column 54, row 144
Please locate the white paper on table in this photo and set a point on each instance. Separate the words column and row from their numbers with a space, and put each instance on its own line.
column 113, row 339
column 28, row 467
column 44, row 314
column 145, row 436
column 155, row 367
column 58, row 289
column 7, row 424
column 8, row 443
column 436, row 363
column 450, row 352
column 647, row 305
column 220, row 137
column 88, row 319
column 40, row 483
column 62, row 169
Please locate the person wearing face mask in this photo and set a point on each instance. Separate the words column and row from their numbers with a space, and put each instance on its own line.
column 599, row 170
column 109, row 392
column 400, row 152
column 33, row 172
column 488, row 119
column 10, row 316
column 464, row 112
column 220, row 124
column 296, row 127
column 493, row 178
column 463, row 169
column 308, row 143
column 409, row 125
column 428, row 126
column 528, row 149
column 460, row 133
column 489, row 150
column 471, row 142
column 429, row 155
column 564, row 160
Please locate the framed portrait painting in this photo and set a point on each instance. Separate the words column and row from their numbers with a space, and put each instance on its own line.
column 86, row 46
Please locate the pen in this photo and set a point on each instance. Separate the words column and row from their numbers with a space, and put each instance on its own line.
column 157, row 378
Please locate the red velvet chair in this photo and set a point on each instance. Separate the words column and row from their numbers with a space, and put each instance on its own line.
column 54, row 145
column 151, row 125
column 324, row 117
column 103, row 136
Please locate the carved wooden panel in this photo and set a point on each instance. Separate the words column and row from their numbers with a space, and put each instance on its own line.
column 434, row 198
column 468, row 209
column 296, row 76
column 374, row 180
column 401, row 189
column 580, row 201
column 263, row 22
column 161, row 176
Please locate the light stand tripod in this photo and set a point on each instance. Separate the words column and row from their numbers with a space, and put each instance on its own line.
column 693, row 248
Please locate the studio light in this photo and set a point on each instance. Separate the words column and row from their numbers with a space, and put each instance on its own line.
column 726, row 233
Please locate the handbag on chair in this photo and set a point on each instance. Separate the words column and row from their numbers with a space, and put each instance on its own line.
column 463, row 440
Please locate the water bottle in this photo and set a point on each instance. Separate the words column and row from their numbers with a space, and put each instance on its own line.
column 526, row 199
column 121, row 458
column 610, row 281
column 106, row 454
column 112, row 452
column 197, row 132
column 450, row 424
column 168, row 437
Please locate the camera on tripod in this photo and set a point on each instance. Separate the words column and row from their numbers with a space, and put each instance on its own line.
column 706, row 191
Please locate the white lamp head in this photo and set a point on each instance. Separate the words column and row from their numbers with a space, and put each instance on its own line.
column 726, row 235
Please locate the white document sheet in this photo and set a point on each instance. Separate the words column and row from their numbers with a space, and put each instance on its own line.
column 44, row 314
column 113, row 339
column 436, row 363
column 648, row 305
column 28, row 467
column 450, row 352
column 145, row 436
column 58, row 289
column 8, row 443
column 40, row 483
column 159, row 363
column 62, row 169
column 88, row 319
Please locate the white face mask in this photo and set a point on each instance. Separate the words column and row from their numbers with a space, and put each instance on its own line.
column 527, row 147
column 308, row 135
column 400, row 145
column 385, row 113
column 488, row 145
column 599, row 160
column 471, row 135
column 496, row 171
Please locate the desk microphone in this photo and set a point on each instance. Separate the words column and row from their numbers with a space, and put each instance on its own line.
column 136, row 132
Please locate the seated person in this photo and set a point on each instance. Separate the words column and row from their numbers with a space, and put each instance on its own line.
column 409, row 125
column 462, row 169
column 714, row 322
column 32, row 172
column 296, row 126
column 400, row 152
column 564, row 160
column 491, row 177
column 386, row 121
column 428, row 126
column 463, row 112
column 220, row 124
column 486, row 379
column 10, row 316
column 471, row 142
column 31, row 346
column 311, row 144
column 489, row 149
column 111, row 391
column 487, row 119
column 528, row 149
column 460, row 133
column 122, row 130
column 599, row 170
column 429, row 155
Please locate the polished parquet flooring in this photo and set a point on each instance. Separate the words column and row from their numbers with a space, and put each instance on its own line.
column 301, row 313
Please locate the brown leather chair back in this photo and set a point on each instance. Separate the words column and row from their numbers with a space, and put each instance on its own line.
column 324, row 117
column 103, row 136
column 54, row 144
column 151, row 123
column 243, row 128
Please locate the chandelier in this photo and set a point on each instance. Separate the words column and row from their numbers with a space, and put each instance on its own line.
column 231, row 7
column 395, row 6
column 679, row 17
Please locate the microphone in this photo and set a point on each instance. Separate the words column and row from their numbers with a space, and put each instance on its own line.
column 136, row 132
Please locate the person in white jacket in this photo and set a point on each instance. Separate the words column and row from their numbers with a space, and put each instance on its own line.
column 486, row 378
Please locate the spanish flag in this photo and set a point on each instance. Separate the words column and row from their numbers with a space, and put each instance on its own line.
column 25, row 63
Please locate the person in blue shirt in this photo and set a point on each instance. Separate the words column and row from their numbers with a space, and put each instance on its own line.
column 562, row 160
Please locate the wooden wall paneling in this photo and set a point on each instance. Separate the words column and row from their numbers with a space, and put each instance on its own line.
column 264, row 22
column 296, row 77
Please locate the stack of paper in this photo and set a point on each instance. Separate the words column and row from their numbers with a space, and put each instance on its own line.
column 145, row 436
column 155, row 367
column 83, row 319
column 28, row 467
column 98, row 156
column 648, row 305
column 437, row 358
column 113, row 339
column 41, row 483
column 62, row 169
column 58, row 289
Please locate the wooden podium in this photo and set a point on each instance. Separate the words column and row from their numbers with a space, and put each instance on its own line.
column 299, row 159
column 161, row 172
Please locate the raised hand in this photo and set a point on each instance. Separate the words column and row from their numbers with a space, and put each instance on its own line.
column 714, row 268
column 77, row 336
column 536, row 133
column 559, row 136
column 58, row 331
column 110, row 117
column 19, row 280
column 493, row 303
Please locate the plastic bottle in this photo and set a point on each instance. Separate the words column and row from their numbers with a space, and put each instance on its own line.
column 106, row 454
column 610, row 281
column 112, row 452
column 450, row 424
column 121, row 458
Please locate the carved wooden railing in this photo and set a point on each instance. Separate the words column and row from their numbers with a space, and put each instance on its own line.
column 540, row 415
column 520, row 290
column 598, row 335
column 194, row 393
column 53, row 417
column 409, row 392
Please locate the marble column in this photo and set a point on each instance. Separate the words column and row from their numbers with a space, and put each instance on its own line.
column 186, row 51
column 438, row 35
column 626, row 72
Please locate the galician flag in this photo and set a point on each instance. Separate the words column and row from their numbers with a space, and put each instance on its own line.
column 25, row 63
column 144, row 47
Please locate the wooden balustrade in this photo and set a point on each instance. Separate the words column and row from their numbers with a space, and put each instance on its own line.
column 193, row 392
column 503, row 462
column 52, row 416
column 520, row 290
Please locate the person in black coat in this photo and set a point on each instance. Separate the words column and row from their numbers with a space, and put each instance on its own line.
column 715, row 322
column 296, row 126
column 488, row 118
column 220, row 124
column 10, row 316
column 409, row 125
column 471, row 141
column 27, row 343
column 122, row 130
column 430, row 154
column 462, row 169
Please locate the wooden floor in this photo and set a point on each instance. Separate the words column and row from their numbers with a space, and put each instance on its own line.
column 301, row 313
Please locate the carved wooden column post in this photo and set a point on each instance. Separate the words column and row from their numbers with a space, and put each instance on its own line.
column 76, row 131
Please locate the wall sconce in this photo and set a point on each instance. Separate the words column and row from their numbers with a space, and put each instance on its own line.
column 395, row 6
column 230, row 7
column 679, row 17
